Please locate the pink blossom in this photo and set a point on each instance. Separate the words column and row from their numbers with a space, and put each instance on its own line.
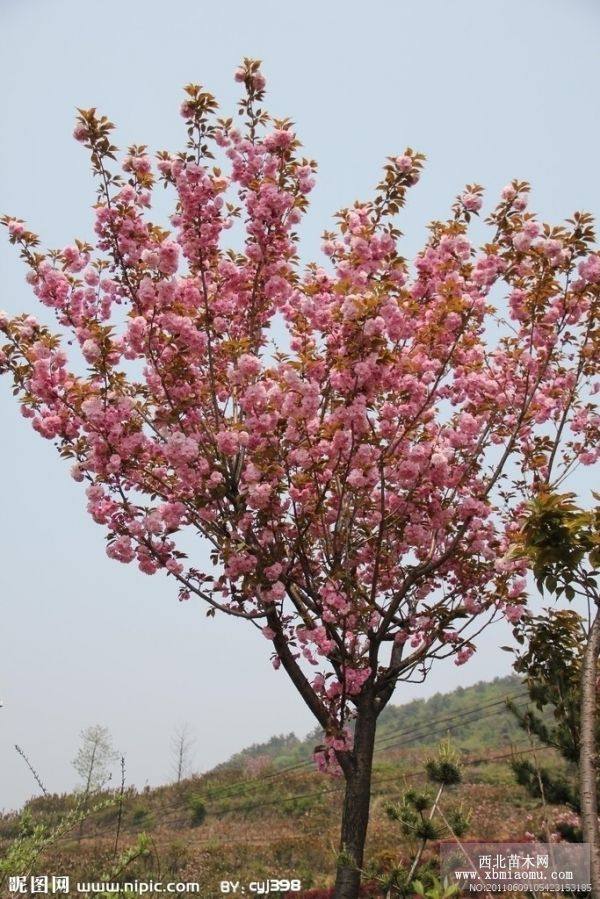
column 463, row 655
column 471, row 202
column 249, row 366
column 168, row 257
column 272, row 572
column 589, row 269
column 91, row 351
column 80, row 132
column 514, row 613
column 404, row 163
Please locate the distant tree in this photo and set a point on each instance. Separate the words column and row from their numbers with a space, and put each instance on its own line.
column 94, row 758
column 354, row 482
column 182, row 743
column 562, row 544
column 550, row 661
column 93, row 762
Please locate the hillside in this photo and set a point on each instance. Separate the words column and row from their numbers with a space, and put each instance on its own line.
column 266, row 812
column 458, row 714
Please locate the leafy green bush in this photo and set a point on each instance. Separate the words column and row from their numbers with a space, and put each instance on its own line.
column 197, row 810
column 141, row 816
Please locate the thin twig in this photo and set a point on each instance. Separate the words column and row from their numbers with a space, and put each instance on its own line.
column 32, row 769
column 120, row 812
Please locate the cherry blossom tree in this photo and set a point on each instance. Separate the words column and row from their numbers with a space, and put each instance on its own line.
column 351, row 439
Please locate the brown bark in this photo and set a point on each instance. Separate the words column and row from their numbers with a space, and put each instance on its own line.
column 357, row 767
column 588, row 757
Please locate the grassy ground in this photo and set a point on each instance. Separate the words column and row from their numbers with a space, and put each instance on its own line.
column 267, row 813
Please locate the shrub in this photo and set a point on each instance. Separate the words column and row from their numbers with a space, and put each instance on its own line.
column 197, row 810
column 141, row 816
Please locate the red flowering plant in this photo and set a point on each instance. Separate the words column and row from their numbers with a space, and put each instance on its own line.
column 357, row 484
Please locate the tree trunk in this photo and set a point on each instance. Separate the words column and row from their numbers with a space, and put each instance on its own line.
column 588, row 757
column 355, row 816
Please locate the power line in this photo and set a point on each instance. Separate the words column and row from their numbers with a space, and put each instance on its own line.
column 407, row 742
column 426, row 729
column 423, row 731
column 409, row 776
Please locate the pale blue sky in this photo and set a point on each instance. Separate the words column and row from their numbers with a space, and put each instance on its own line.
column 488, row 90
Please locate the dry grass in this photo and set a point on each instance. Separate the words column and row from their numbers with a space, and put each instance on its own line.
column 253, row 833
